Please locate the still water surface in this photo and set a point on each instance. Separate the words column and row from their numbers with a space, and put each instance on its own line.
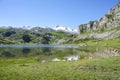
column 44, row 51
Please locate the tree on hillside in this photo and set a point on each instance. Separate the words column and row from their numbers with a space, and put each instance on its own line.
column 8, row 33
column 26, row 38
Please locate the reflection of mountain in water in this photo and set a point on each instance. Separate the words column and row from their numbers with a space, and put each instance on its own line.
column 47, row 52
column 6, row 54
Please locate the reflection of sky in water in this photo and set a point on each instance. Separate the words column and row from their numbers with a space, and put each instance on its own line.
column 43, row 50
column 39, row 46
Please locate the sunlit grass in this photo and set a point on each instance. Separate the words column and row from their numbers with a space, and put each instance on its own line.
column 86, row 69
column 110, row 43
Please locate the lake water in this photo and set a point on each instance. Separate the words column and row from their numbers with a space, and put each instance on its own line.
column 45, row 51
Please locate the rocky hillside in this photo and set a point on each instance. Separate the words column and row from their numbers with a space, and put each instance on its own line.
column 35, row 35
column 104, row 27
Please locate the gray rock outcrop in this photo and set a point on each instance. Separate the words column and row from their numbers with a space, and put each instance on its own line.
column 109, row 21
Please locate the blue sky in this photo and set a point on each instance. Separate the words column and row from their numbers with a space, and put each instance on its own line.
column 49, row 13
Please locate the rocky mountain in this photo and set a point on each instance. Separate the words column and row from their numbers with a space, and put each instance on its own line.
column 104, row 27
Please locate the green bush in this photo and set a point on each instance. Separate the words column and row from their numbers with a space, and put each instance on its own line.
column 109, row 16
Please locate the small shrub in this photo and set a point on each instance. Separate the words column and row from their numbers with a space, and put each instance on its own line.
column 26, row 38
column 109, row 16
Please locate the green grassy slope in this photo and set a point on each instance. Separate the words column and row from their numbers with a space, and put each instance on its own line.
column 92, row 42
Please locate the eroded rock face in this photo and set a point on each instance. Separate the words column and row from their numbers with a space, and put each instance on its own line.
column 108, row 21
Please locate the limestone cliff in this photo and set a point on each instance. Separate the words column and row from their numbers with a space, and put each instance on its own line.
column 109, row 21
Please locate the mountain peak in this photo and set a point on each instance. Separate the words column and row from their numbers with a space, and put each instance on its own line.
column 64, row 29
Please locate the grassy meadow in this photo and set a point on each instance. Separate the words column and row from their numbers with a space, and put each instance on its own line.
column 95, row 68
column 86, row 69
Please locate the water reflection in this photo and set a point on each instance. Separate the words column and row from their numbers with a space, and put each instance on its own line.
column 25, row 51
column 6, row 54
column 44, row 51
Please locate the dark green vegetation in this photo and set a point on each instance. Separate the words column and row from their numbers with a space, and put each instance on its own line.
column 110, row 16
column 32, row 69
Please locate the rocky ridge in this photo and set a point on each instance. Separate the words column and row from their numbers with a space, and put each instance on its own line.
column 101, row 28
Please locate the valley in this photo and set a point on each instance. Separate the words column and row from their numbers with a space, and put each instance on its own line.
column 91, row 52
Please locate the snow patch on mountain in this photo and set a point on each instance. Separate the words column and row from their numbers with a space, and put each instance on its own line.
column 65, row 29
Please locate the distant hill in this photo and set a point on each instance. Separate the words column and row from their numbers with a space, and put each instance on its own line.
column 36, row 35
